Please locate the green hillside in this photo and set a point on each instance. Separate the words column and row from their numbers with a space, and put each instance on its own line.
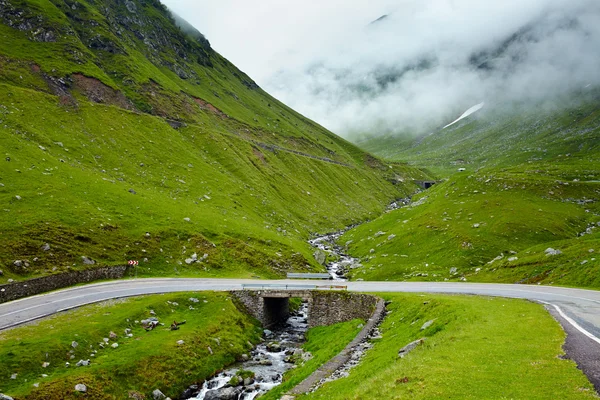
column 126, row 137
column 513, row 183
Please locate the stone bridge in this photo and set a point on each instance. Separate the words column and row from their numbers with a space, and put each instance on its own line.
column 324, row 307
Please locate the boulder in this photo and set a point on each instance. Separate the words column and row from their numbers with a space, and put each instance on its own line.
column 410, row 347
column 427, row 324
column 552, row 252
column 87, row 260
column 274, row 347
column 80, row 387
column 190, row 392
column 158, row 395
column 226, row 393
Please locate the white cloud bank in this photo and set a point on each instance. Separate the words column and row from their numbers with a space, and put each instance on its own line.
column 419, row 68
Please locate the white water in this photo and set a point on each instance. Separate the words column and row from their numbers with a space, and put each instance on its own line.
column 289, row 336
column 328, row 244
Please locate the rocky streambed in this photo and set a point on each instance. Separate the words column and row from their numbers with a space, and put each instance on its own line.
column 334, row 256
column 263, row 368
column 329, row 249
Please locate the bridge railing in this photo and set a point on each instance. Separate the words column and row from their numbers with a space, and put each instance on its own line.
column 280, row 286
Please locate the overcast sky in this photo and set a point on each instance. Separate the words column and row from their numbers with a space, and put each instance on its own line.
column 420, row 67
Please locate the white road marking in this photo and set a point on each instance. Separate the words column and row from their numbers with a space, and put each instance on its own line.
column 573, row 323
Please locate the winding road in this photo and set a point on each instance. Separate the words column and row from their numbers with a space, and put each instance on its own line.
column 578, row 310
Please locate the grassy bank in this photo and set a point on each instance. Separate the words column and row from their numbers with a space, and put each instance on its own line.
column 324, row 343
column 214, row 335
column 475, row 348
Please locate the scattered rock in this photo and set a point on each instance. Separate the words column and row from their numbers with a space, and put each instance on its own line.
column 225, row 393
column 186, row 219
column 87, row 260
column 180, row 342
column 210, row 350
column 114, row 345
column 453, row 271
column 80, row 387
column 83, row 363
column 194, row 300
column 267, row 332
column 5, row 397
column 510, row 259
column 112, row 335
column 74, row 344
column 127, row 331
column 391, row 237
column 13, row 376
column 158, row 395
column 46, row 247
column 132, row 191
column 1, row 272
column 410, row 347
column 552, row 252
column 427, row 324
column 18, row 197
column 45, row 365
column 274, row 347
column 476, row 225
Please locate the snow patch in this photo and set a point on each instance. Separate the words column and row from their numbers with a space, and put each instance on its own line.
column 470, row 111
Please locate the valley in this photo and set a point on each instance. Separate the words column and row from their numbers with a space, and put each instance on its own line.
column 144, row 179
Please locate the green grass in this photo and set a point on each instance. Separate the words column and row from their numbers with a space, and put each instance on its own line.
column 144, row 362
column 324, row 343
column 470, row 219
column 476, row 348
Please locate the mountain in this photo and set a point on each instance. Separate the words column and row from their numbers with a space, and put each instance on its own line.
column 125, row 136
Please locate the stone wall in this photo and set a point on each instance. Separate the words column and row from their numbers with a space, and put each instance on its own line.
column 251, row 303
column 328, row 308
column 324, row 307
column 17, row 290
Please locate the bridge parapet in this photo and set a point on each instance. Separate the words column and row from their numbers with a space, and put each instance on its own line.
column 324, row 307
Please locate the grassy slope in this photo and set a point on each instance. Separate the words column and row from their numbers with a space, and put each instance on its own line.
column 476, row 348
column 73, row 161
column 531, row 182
column 469, row 220
column 147, row 361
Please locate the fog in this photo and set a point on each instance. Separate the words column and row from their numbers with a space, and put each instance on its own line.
column 418, row 68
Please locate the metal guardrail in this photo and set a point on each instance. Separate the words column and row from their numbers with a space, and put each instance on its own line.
column 299, row 275
column 279, row 286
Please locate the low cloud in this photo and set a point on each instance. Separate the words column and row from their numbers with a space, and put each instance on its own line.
column 418, row 68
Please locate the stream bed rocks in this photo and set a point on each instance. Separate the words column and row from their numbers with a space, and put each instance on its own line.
column 263, row 368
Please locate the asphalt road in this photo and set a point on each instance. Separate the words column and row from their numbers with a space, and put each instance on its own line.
column 578, row 310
